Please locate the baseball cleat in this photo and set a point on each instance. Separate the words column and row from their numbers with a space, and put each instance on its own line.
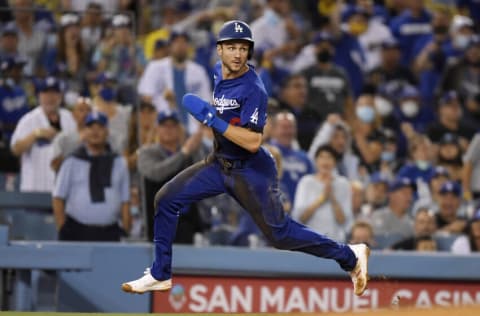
column 359, row 274
column 146, row 283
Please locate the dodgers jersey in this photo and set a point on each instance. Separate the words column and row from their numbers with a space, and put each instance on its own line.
column 242, row 102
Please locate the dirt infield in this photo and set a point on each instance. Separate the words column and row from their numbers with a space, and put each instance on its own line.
column 449, row 311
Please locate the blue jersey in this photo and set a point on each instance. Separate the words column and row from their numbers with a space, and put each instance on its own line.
column 241, row 102
column 13, row 105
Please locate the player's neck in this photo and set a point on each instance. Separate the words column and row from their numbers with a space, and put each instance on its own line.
column 229, row 74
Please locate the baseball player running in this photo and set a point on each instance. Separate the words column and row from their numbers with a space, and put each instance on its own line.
column 240, row 167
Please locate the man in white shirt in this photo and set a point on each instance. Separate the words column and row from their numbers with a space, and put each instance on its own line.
column 32, row 137
column 164, row 82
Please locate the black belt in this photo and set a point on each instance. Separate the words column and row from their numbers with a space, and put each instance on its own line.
column 231, row 163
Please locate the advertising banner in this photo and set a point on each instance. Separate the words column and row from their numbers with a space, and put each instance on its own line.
column 204, row 294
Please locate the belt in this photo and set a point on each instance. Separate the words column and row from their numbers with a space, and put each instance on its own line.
column 231, row 163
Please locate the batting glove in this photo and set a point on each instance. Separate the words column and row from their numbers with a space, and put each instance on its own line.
column 203, row 112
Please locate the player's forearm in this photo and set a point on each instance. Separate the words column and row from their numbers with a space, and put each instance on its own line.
column 58, row 212
column 244, row 138
column 24, row 144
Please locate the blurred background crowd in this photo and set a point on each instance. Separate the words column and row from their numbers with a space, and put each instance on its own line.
column 373, row 114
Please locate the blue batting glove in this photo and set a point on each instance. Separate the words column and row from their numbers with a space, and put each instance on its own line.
column 203, row 112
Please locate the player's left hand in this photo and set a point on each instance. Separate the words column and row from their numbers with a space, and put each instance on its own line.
column 203, row 112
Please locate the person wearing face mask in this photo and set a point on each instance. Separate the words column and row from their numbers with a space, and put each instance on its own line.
column 367, row 137
column 450, row 155
column 329, row 90
column 411, row 109
column 103, row 88
column 370, row 31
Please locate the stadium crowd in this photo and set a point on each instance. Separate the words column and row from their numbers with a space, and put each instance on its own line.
column 373, row 114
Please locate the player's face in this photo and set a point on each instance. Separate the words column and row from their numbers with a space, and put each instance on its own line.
column 234, row 55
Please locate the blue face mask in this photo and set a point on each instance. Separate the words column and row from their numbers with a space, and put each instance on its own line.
column 388, row 156
column 365, row 113
column 107, row 93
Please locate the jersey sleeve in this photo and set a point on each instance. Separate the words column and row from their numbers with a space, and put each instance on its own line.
column 254, row 110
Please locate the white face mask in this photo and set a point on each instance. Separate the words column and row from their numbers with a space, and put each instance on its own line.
column 365, row 113
column 409, row 108
column 461, row 41
column 383, row 106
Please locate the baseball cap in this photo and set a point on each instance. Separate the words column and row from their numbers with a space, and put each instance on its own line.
column 399, row 183
column 451, row 187
column 163, row 116
column 11, row 62
column 409, row 92
column 121, row 20
column 175, row 34
column 160, row 43
column 104, row 77
column 378, row 177
column 353, row 10
column 448, row 138
column 50, row 84
column 390, row 43
column 9, row 29
column 322, row 36
column 96, row 117
column 439, row 171
column 460, row 21
column 447, row 97
column 69, row 19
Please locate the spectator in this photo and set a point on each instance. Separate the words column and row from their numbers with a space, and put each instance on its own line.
column 68, row 60
column 391, row 159
column 412, row 110
column 31, row 39
column 448, row 217
column 362, row 232
column 328, row 86
column 165, row 81
column 91, row 32
column 104, row 88
column 160, row 162
column 434, row 51
column 277, row 31
column 424, row 227
column 450, row 156
column 376, row 195
column 420, row 167
column 33, row 135
column 358, row 197
column 66, row 142
column 471, row 170
column 9, row 42
column 409, row 26
column 470, row 242
column 336, row 133
column 13, row 105
column 92, row 190
column 367, row 137
column 293, row 97
column 459, row 76
column 395, row 218
column 361, row 17
column 450, row 121
column 323, row 200
column 119, row 55
column 390, row 74
column 296, row 163
column 430, row 198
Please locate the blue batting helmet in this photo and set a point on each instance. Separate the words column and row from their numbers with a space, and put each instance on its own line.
column 236, row 30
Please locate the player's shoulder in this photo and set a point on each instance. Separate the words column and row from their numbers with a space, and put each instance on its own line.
column 255, row 84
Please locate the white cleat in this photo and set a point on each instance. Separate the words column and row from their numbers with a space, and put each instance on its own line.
column 359, row 274
column 146, row 283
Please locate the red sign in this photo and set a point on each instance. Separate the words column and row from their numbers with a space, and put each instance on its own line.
column 243, row 295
